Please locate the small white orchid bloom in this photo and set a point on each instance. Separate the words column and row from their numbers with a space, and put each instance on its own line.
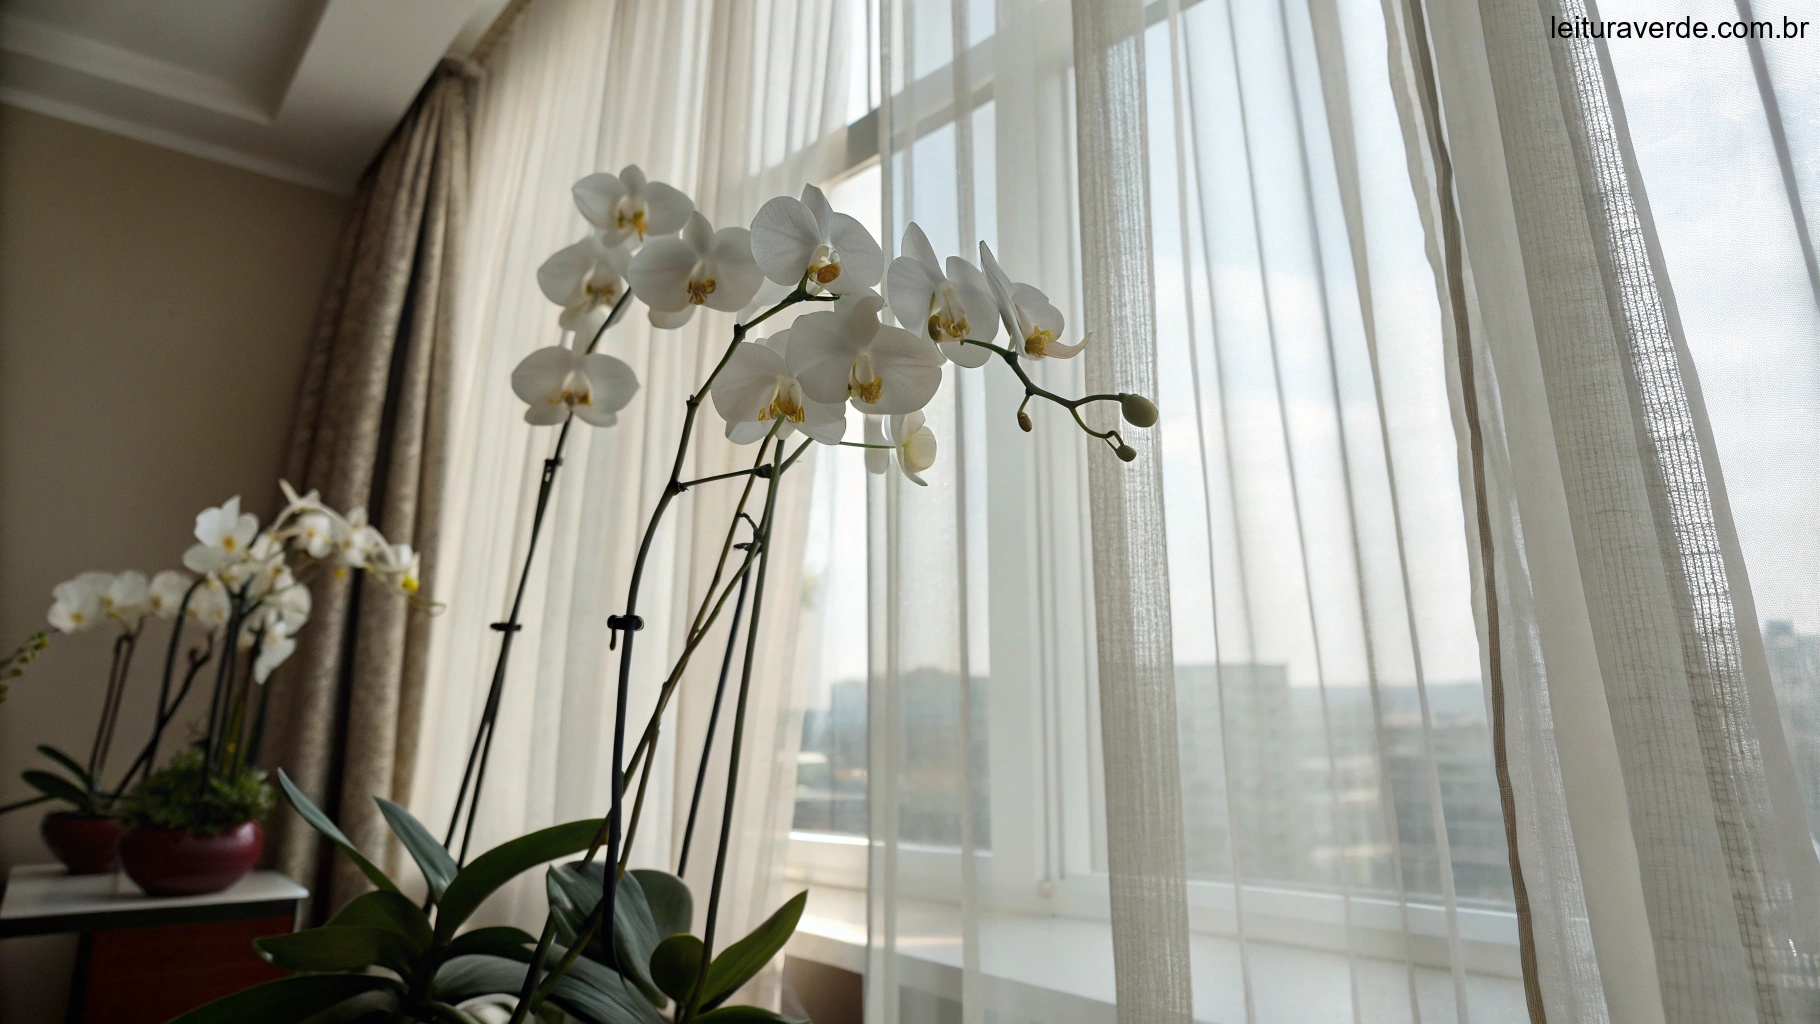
column 585, row 279
column 845, row 353
column 402, row 565
column 76, row 603
column 209, row 606
column 224, row 534
column 1031, row 319
column 362, row 542
column 558, row 381
column 626, row 206
column 912, row 446
column 755, row 391
column 275, row 648
column 948, row 307
column 318, row 532
column 126, row 598
column 165, row 595
column 792, row 238
column 288, row 605
column 700, row 267
column 259, row 571
column 295, row 503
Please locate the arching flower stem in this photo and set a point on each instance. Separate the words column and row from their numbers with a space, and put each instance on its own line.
column 1033, row 390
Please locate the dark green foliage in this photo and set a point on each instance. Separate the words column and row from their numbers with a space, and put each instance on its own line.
column 74, row 787
column 184, row 795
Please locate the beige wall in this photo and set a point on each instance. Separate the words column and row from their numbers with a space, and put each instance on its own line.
column 154, row 311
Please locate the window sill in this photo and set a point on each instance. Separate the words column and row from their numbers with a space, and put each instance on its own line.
column 1055, row 968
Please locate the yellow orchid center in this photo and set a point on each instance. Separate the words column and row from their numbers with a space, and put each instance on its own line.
column 1036, row 343
column 228, row 543
column 786, row 403
column 825, row 273
column 633, row 219
column 863, row 382
column 700, row 289
column 602, row 292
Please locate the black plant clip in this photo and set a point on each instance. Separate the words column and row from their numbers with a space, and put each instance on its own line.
column 622, row 624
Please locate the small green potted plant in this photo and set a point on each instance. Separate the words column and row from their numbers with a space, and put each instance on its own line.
column 192, row 830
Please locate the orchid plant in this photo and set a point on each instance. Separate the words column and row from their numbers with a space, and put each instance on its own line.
column 617, row 945
column 245, row 593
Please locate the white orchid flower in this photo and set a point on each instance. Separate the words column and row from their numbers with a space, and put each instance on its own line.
column 165, row 595
column 259, row 571
column 558, row 381
column 76, row 603
column 755, row 392
column 912, row 446
column 845, row 353
column 403, row 565
column 585, row 279
column 792, row 238
column 700, row 267
column 126, row 598
column 948, row 307
column 1031, row 319
column 275, row 648
column 288, row 605
column 362, row 542
column 626, row 206
column 318, row 532
column 223, row 536
column 295, row 503
column 209, row 606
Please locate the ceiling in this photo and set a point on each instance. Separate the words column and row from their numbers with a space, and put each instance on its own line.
column 303, row 90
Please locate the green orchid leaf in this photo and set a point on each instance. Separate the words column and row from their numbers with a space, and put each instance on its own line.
column 739, row 962
column 385, row 909
column 443, row 1013
column 462, row 978
column 502, row 940
column 367, row 1008
column 672, row 907
column 431, row 856
column 77, row 772
column 676, row 964
column 344, row 948
column 747, row 1015
column 503, row 863
column 635, row 935
column 59, row 788
column 288, row 1000
column 321, row 823
column 601, row 995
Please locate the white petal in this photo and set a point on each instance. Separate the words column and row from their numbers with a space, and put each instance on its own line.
column 877, row 459
column 542, row 374
column 667, row 208
column 597, row 196
column 736, row 274
column 660, row 274
column 910, row 285
column 784, row 239
column 910, row 368
column 1037, row 307
column 976, row 299
column 748, row 382
column 1057, row 350
column 633, row 176
column 820, row 356
column 583, row 318
column 611, row 384
column 670, row 321
column 561, row 276
column 824, row 422
column 1000, row 287
column 698, row 233
column 749, row 431
column 915, row 246
column 862, row 263
column 817, row 204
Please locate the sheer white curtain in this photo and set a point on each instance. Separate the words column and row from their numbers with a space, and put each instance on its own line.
column 714, row 98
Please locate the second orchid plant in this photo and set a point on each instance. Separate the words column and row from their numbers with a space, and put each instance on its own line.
column 617, row 946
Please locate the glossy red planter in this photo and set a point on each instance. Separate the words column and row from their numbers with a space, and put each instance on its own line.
column 172, row 862
column 85, row 843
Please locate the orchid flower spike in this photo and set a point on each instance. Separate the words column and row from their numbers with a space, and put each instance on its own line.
column 224, row 535
column 558, row 381
column 209, row 606
column 165, row 595
column 585, row 279
column 700, row 267
column 797, row 238
column 76, row 603
column 947, row 307
column 1032, row 320
column 625, row 206
column 275, row 648
column 912, row 446
column 845, row 353
column 756, row 391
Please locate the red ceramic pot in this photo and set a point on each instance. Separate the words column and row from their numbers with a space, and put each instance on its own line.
column 85, row 843
column 172, row 862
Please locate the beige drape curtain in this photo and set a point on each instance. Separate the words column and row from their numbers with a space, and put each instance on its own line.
column 370, row 431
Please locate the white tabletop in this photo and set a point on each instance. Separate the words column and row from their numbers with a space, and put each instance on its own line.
column 39, row 891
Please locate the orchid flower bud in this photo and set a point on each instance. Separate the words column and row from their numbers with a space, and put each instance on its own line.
column 1138, row 411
